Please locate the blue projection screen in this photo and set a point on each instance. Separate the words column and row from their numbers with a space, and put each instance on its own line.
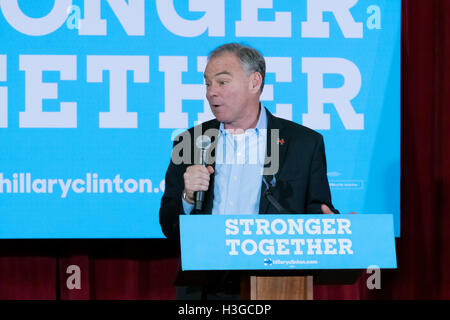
column 93, row 92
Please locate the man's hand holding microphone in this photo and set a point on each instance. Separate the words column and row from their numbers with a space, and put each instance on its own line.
column 196, row 178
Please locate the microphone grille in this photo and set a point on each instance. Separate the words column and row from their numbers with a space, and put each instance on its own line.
column 203, row 142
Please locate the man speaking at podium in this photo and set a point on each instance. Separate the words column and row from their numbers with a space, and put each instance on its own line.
column 251, row 162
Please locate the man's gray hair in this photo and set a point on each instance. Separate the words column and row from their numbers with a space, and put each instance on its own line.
column 252, row 60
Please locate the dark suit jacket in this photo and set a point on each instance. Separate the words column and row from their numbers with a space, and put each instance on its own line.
column 301, row 180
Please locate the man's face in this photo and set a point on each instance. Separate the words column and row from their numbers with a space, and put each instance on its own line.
column 228, row 89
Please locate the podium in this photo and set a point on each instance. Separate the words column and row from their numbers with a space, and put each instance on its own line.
column 277, row 288
column 291, row 285
column 281, row 257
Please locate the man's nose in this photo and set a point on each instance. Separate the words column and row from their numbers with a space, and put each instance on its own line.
column 211, row 91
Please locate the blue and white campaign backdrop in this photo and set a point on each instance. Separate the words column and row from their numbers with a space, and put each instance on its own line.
column 92, row 93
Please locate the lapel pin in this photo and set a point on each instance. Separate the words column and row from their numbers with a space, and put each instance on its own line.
column 280, row 141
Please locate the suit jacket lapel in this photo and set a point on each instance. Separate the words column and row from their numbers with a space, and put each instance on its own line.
column 274, row 140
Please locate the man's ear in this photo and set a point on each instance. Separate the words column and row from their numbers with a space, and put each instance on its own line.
column 255, row 82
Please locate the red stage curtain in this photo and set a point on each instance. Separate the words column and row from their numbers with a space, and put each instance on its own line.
column 423, row 250
column 144, row 269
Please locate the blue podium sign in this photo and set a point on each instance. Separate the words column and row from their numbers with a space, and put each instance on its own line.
column 265, row 242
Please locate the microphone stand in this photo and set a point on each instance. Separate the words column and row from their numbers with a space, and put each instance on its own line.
column 271, row 198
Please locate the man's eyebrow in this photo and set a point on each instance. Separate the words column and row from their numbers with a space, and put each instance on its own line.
column 222, row 72
column 219, row 73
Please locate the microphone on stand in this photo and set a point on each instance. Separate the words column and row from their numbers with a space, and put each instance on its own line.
column 203, row 143
column 268, row 194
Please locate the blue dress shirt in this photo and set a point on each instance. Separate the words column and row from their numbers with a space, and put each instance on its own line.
column 238, row 170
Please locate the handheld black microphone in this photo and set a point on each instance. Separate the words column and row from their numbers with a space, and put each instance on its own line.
column 268, row 194
column 203, row 143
